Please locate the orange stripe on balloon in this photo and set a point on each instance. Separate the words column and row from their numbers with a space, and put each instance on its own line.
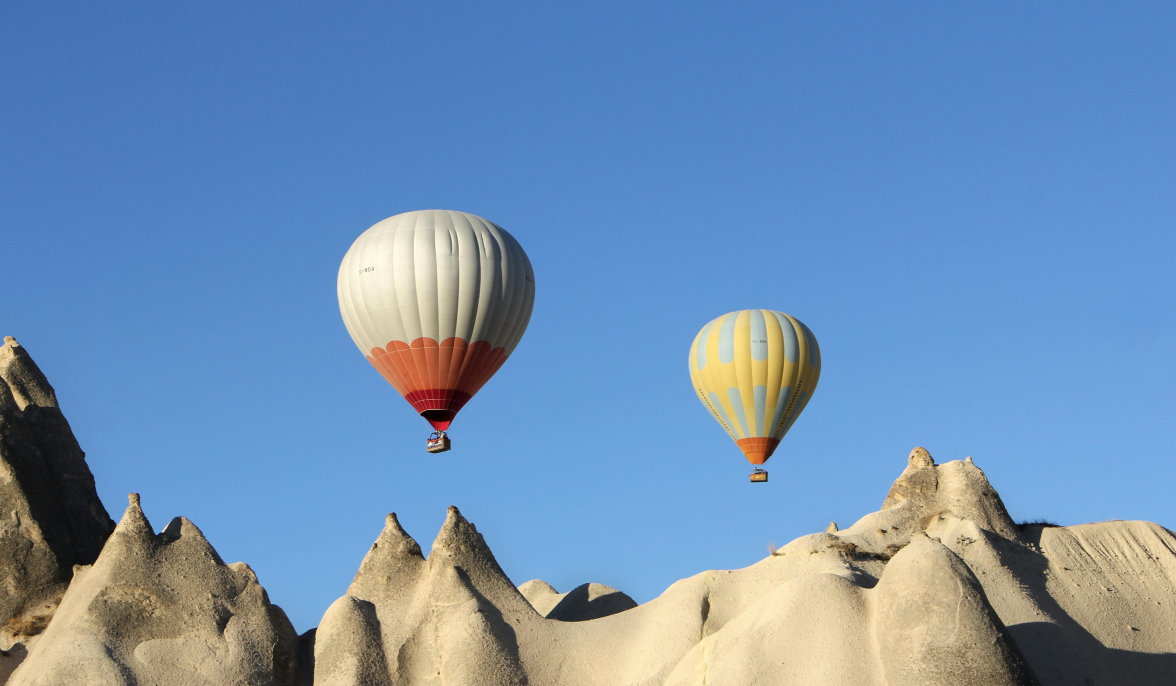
column 380, row 360
column 421, row 362
column 485, row 366
column 390, row 368
column 478, row 367
column 433, row 369
column 456, row 358
column 402, row 358
column 444, row 360
column 757, row 450
column 437, row 377
column 408, row 361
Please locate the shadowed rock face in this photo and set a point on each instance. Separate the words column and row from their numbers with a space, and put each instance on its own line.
column 584, row 602
column 50, row 516
column 163, row 609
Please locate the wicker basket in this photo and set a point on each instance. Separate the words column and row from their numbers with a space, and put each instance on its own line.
column 437, row 444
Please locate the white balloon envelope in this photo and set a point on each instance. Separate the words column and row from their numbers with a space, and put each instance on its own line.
column 436, row 300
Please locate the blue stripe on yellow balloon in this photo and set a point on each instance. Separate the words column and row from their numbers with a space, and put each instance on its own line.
column 750, row 365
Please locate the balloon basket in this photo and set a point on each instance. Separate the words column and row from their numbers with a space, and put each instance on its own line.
column 438, row 442
column 759, row 476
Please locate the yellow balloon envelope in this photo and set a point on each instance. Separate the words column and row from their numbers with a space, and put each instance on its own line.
column 755, row 370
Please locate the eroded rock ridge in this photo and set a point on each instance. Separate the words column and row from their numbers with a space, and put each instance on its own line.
column 938, row 588
column 50, row 516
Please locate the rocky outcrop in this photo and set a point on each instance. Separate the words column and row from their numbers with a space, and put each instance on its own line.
column 935, row 627
column 584, row 602
column 542, row 595
column 938, row 587
column 50, row 516
column 449, row 619
column 926, row 623
column 163, row 609
column 925, row 490
column 1093, row 603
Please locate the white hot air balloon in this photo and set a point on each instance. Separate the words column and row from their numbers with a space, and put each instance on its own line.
column 436, row 300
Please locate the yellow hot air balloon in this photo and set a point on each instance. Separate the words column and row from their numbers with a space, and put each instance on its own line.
column 755, row 370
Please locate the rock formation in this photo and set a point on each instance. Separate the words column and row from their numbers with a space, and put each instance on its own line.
column 940, row 587
column 451, row 618
column 937, row 588
column 50, row 516
column 584, row 602
column 163, row 609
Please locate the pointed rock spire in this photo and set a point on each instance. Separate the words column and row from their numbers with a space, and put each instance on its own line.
column 396, row 540
column 458, row 537
column 146, row 589
column 459, row 544
column 926, row 489
column 29, row 386
column 189, row 539
column 391, row 567
column 132, row 533
column 47, row 461
column 916, row 482
column 50, row 516
column 920, row 458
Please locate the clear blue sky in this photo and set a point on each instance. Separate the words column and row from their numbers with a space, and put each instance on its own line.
column 972, row 205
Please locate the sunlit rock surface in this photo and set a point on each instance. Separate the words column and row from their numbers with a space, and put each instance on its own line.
column 163, row 609
column 938, row 587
